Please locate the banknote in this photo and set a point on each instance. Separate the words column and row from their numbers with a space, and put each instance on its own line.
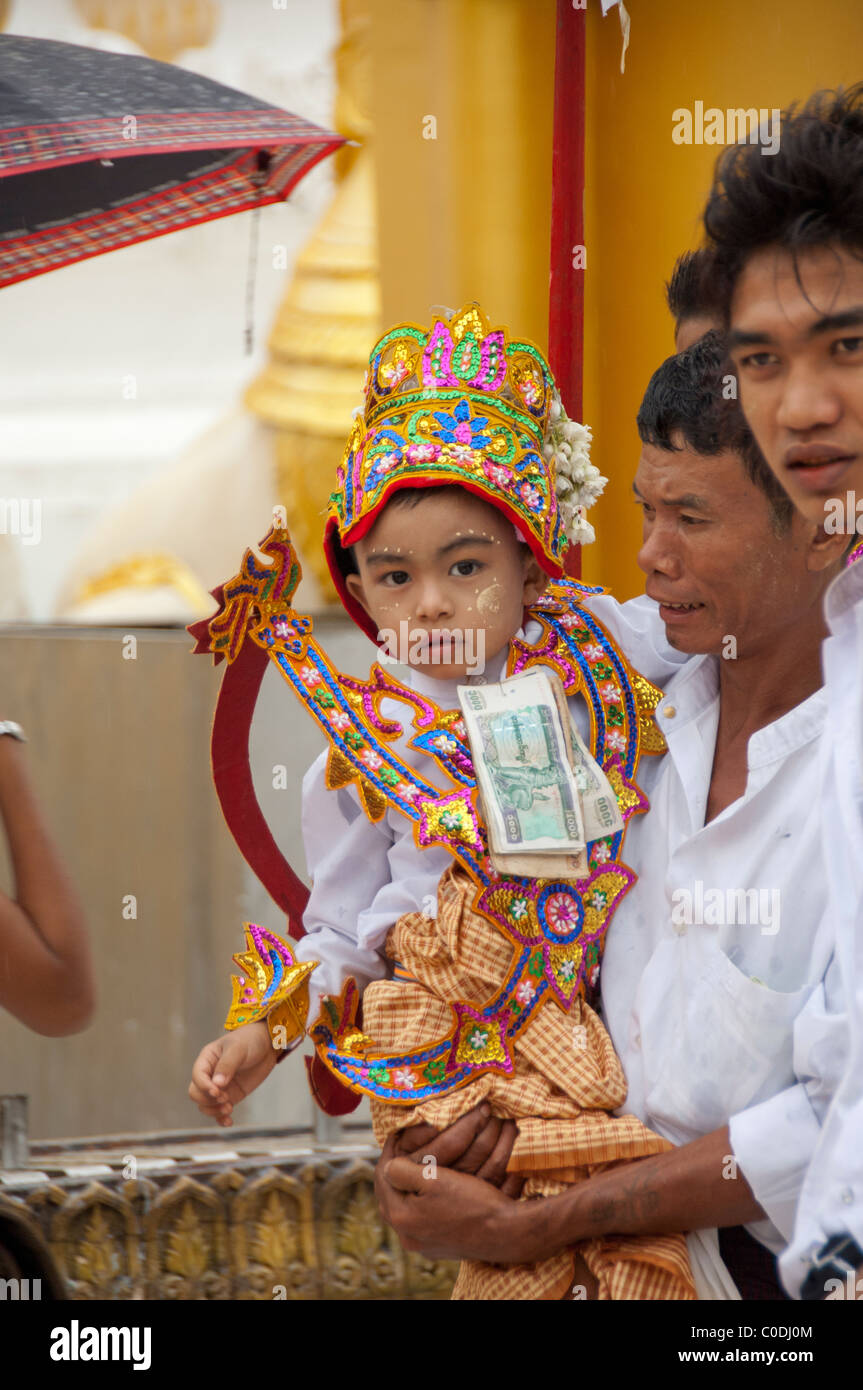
column 538, row 739
column 523, row 764
column 555, row 864
column 540, row 865
column 599, row 803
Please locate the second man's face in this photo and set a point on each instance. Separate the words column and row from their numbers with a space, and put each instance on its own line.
column 796, row 338
column 725, row 578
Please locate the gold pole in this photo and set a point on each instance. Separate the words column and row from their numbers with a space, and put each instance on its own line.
column 462, row 104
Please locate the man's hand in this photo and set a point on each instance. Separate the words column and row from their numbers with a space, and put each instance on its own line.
column 229, row 1069
column 453, row 1215
column 478, row 1143
column 449, row 1215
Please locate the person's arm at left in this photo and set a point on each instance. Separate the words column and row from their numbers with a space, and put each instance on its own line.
column 46, row 973
column 457, row 1216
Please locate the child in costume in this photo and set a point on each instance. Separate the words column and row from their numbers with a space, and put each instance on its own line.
column 461, row 487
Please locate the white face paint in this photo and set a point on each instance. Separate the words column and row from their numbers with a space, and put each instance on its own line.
column 488, row 600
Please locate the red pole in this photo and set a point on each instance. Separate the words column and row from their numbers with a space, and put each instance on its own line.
column 566, row 280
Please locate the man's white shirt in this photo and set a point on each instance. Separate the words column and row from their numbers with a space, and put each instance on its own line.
column 831, row 1201
column 718, row 987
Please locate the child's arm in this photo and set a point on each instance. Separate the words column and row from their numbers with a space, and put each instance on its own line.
column 229, row 1069
column 347, row 857
column 346, row 918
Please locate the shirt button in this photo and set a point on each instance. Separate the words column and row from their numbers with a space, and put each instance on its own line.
column 848, row 1196
column 680, row 928
column 637, row 1040
column 669, row 711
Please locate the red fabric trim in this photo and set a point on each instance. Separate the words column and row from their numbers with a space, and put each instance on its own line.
column 235, row 787
column 70, row 142
column 36, row 253
column 327, row 1091
column 236, row 180
column 365, row 523
column 232, row 775
column 566, row 285
column 109, row 152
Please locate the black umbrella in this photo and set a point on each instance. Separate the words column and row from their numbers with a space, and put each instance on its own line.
column 99, row 150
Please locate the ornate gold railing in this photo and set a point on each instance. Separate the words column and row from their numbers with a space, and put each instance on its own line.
column 251, row 1214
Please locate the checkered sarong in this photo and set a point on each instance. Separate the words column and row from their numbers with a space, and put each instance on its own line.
column 566, row 1080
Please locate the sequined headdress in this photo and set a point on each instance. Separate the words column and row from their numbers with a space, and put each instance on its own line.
column 462, row 403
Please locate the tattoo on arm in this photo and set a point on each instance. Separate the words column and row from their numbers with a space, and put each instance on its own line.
column 632, row 1210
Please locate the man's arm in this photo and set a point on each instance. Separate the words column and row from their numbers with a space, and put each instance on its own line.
column 456, row 1216
column 46, row 977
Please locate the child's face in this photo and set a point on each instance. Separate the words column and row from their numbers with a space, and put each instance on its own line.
column 450, row 564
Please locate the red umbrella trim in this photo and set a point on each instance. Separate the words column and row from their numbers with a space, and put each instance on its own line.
column 219, row 193
column 26, row 148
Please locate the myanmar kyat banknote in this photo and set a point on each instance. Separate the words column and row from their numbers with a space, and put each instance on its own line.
column 543, row 795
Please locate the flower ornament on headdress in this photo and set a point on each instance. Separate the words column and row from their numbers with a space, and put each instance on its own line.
column 578, row 482
column 463, row 403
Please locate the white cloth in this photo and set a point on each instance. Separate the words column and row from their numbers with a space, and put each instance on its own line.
column 718, row 1018
column 831, row 1202
column 709, row 1271
column 367, row 874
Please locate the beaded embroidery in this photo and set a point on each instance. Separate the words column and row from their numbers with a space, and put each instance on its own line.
column 556, row 927
column 457, row 403
column 272, row 986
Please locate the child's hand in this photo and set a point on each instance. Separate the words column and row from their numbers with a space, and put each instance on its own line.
column 230, row 1068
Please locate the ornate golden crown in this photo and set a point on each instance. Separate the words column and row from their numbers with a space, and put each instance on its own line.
column 457, row 403
column 460, row 356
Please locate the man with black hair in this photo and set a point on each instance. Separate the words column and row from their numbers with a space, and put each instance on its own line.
column 691, row 298
column 716, row 983
column 786, row 240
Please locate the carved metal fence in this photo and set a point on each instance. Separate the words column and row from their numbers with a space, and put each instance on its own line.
column 185, row 1215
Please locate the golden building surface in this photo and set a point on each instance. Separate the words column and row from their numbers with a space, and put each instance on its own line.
column 162, row 28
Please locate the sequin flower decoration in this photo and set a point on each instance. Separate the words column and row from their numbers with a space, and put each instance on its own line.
column 460, row 429
column 578, row 482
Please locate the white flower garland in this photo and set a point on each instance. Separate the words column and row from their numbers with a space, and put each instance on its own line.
column 578, row 482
